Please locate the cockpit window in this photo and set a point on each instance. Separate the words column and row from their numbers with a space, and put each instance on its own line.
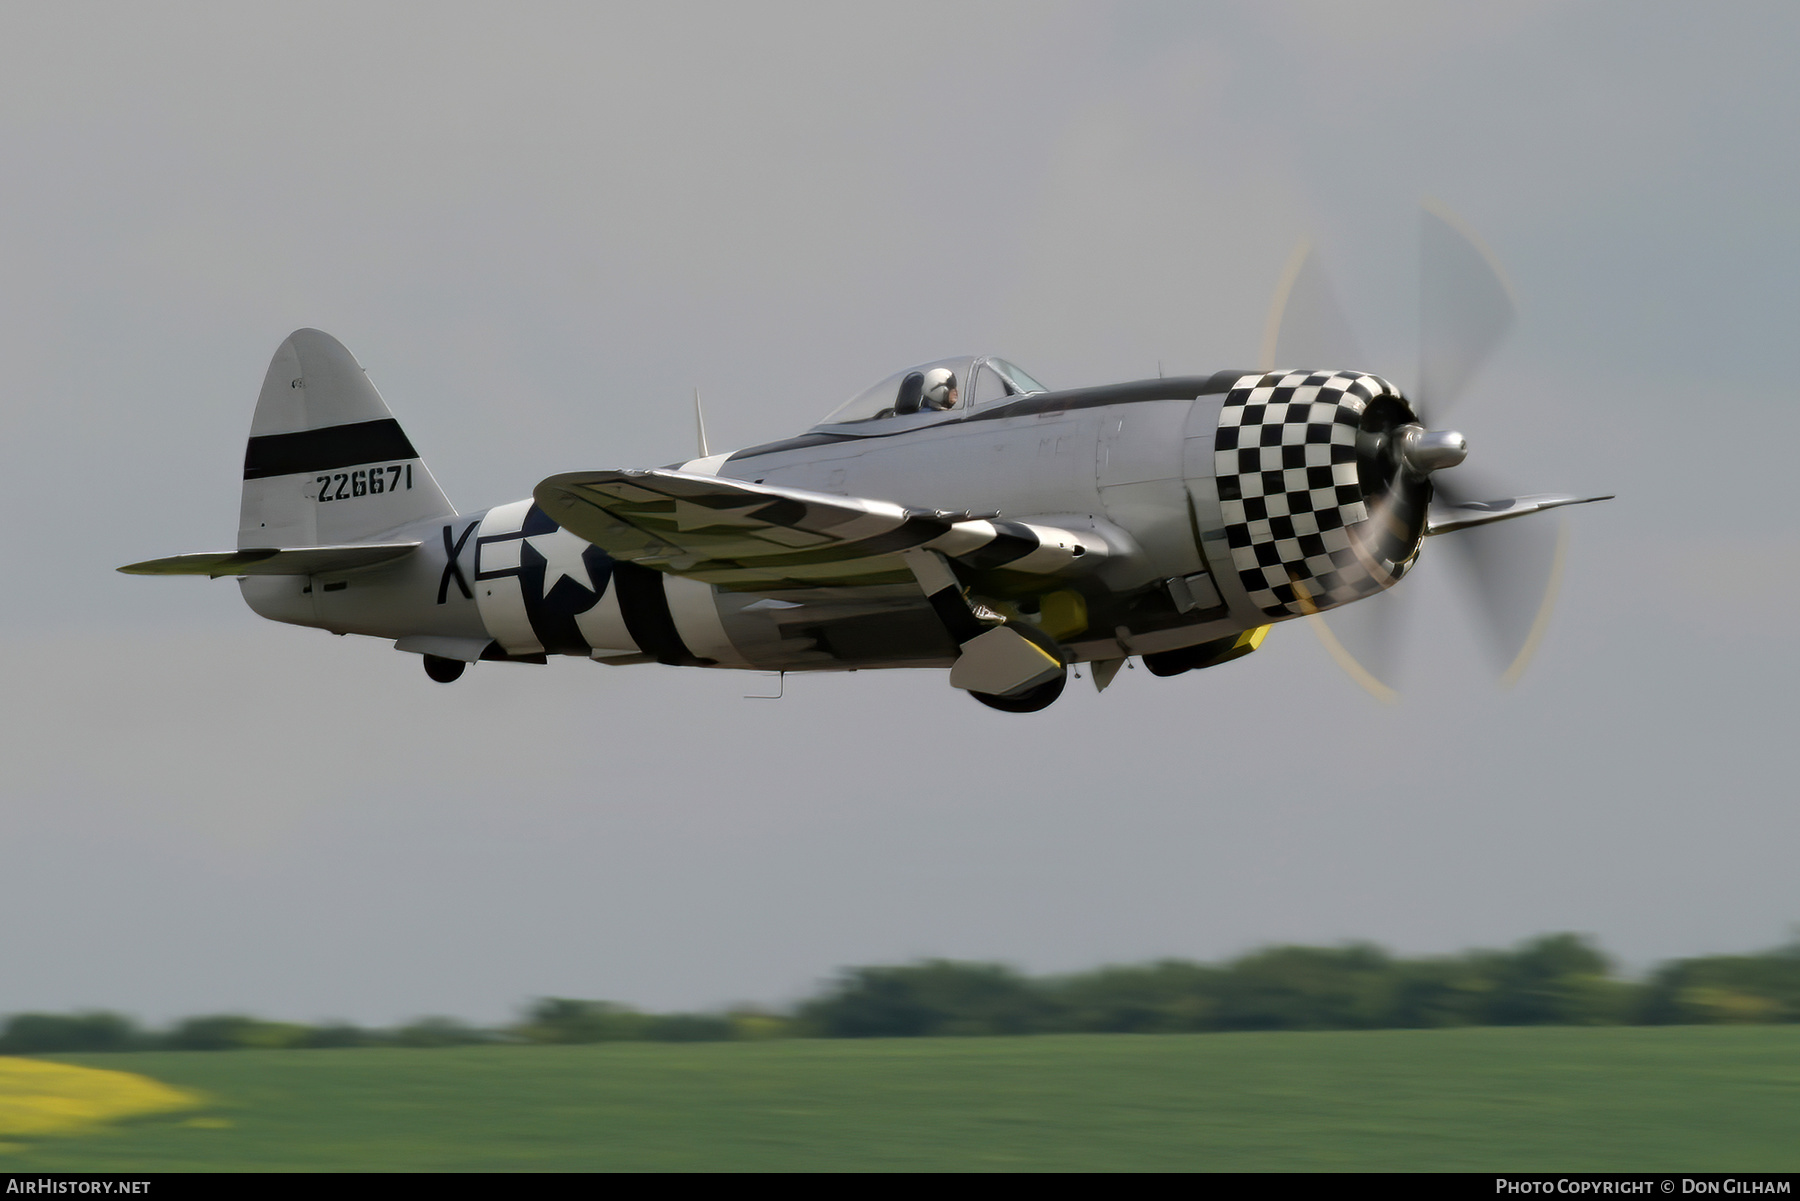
column 936, row 387
column 1020, row 382
column 926, row 388
column 990, row 386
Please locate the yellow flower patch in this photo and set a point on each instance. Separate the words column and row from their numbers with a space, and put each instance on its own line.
column 38, row 1098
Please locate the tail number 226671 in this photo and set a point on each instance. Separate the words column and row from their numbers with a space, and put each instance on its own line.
column 364, row 481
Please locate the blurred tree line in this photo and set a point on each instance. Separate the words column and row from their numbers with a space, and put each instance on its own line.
column 1558, row 979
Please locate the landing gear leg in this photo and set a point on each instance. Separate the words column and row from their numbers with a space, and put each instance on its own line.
column 1007, row 657
column 444, row 671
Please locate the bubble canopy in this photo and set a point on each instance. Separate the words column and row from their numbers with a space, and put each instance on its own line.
column 922, row 392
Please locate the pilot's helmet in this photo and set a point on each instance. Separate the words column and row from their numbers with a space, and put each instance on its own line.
column 940, row 388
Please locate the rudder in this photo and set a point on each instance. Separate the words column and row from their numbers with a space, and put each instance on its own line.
column 327, row 464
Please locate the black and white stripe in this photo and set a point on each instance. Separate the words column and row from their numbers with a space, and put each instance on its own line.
column 745, row 536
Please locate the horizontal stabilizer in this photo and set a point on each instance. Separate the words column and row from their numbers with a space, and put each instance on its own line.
column 1447, row 519
column 309, row 560
column 740, row 535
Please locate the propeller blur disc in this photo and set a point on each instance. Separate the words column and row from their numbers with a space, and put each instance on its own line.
column 1511, row 569
column 1306, row 325
column 1363, row 639
column 1465, row 308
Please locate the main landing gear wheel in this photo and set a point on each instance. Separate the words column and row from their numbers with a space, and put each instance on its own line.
column 1032, row 699
column 1029, row 701
column 444, row 671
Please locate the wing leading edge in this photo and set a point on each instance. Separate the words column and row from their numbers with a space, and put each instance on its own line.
column 744, row 536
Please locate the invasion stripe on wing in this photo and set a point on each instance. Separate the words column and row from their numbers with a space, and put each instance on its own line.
column 327, row 449
column 1012, row 541
column 979, row 545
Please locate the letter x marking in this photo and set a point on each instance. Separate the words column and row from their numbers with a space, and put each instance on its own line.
column 453, row 569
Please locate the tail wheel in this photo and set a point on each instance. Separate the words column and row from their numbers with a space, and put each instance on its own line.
column 444, row 671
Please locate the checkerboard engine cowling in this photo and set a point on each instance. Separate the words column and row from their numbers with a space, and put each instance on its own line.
column 1285, row 460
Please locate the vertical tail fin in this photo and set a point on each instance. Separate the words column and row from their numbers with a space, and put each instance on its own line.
column 327, row 463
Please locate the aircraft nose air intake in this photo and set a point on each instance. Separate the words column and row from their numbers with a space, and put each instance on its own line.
column 1425, row 451
column 1317, row 512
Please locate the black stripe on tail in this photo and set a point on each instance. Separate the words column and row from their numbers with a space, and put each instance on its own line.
column 327, row 449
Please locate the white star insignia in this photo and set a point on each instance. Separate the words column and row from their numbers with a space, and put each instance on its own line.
column 690, row 516
column 562, row 558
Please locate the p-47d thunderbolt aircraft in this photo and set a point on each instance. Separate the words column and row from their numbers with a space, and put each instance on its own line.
column 958, row 515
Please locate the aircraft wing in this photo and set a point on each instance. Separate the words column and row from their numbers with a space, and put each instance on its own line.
column 746, row 537
column 307, row 560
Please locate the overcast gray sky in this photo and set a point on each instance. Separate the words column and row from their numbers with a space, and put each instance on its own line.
column 540, row 226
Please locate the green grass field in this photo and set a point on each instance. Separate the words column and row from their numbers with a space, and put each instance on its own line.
column 1553, row 1099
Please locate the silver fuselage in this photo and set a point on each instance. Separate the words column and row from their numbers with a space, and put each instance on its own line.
column 1136, row 466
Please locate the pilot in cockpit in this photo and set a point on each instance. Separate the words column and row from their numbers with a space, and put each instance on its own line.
column 940, row 389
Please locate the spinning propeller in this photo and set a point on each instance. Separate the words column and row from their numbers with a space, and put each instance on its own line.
column 1511, row 568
